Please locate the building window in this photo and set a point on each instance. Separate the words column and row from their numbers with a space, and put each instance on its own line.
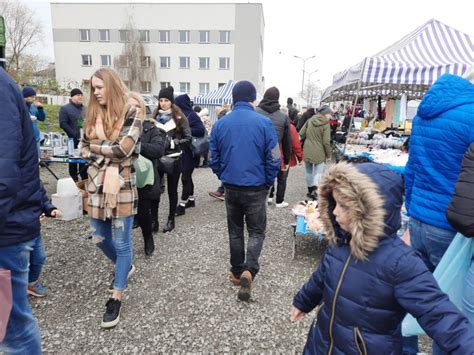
column 185, row 87
column 86, row 60
column 104, row 36
column 164, row 62
column 219, row 85
column 203, row 36
column 203, row 88
column 144, row 36
column 184, row 62
column 224, row 36
column 164, row 84
column 124, row 35
column 105, row 60
column 145, row 62
column 224, row 63
column 164, row 36
column 146, row 86
column 124, row 61
column 85, row 35
column 183, row 36
column 203, row 62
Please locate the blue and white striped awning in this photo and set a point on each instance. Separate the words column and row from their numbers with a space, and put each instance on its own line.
column 220, row 96
column 412, row 64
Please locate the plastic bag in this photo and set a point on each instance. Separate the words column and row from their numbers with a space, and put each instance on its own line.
column 450, row 274
column 144, row 171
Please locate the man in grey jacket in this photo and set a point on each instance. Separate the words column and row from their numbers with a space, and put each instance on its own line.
column 270, row 107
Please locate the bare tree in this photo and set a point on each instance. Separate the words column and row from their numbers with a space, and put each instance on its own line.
column 134, row 66
column 311, row 93
column 23, row 31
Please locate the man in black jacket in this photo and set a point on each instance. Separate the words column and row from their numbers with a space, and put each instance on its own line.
column 270, row 107
column 71, row 117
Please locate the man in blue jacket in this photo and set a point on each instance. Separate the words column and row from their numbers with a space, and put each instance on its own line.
column 20, row 208
column 442, row 132
column 37, row 113
column 245, row 156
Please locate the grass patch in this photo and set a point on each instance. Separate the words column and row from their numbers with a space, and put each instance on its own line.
column 51, row 124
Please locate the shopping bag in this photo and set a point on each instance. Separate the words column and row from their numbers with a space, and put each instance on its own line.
column 144, row 171
column 200, row 145
column 450, row 274
column 5, row 300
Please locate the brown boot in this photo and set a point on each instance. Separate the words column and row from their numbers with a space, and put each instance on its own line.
column 234, row 279
column 245, row 286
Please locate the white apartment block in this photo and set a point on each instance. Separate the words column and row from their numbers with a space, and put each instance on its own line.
column 194, row 47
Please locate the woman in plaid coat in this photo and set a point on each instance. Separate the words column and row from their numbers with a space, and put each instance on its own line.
column 110, row 145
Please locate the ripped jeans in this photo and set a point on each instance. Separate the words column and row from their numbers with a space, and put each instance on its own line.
column 114, row 238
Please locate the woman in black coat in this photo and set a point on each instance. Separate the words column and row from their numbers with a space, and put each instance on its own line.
column 188, row 161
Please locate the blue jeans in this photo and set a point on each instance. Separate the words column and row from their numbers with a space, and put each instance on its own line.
column 313, row 173
column 431, row 243
column 37, row 258
column 22, row 335
column 114, row 238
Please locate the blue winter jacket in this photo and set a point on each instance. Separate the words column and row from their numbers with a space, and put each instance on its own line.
column 40, row 115
column 442, row 131
column 20, row 190
column 369, row 279
column 188, row 161
column 244, row 148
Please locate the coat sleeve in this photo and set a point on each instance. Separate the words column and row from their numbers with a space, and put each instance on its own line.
column 460, row 212
column 327, row 140
column 311, row 293
column 46, row 206
column 41, row 115
column 155, row 147
column 296, row 143
column 303, row 131
column 185, row 141
column 124, row 148
column 409, row 178
column 272, row 154
column 286, row 143
column 418, row 293
column 64, row 122
column 196, row 125
column 215, row 160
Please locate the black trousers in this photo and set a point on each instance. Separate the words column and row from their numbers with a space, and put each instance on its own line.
column 172, row 181
column 74, row 170
column 144, row 214
column 281, row 186
column 188, row 184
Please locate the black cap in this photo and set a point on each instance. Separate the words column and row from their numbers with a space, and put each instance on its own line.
column 75, row 92
column 167, row 93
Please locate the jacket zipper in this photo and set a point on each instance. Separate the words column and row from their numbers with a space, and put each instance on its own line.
column 333, row 313
column 357, row 337
column 318, row 309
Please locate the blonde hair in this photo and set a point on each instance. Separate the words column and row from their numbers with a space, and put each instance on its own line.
column 132, row 95
column 115, row 109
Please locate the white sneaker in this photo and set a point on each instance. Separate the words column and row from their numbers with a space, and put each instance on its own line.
column 282, row 205
column 269, row 200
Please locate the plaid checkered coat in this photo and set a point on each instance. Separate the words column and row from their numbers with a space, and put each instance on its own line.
column 123, row 152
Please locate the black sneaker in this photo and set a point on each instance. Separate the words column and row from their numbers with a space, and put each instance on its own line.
column 190, row 203
column 180, row 210
column 112, row 314
column 130, row 273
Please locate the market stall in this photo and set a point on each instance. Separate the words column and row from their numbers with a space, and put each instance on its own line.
column 215, row 98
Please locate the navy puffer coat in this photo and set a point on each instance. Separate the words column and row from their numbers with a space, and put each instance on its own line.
column 369, row 279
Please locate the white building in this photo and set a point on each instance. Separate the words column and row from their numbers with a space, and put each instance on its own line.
column 193, row 47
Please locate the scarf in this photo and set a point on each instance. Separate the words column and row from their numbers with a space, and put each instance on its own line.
column 111, row 183
column 164, row 116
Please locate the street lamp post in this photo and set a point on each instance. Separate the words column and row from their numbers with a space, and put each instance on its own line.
column 304, row 68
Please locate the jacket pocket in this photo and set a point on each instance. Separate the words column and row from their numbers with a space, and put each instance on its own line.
column 359, row 342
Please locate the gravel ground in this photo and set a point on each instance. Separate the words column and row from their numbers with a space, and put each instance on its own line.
column 179, row 300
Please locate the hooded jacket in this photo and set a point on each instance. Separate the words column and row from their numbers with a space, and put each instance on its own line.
column 71, row 118
column 316, row 135
column 369, row 279
column 206, row 119
column 442, row 132
column 281, row 123
column 188, row 162
column 20, row 189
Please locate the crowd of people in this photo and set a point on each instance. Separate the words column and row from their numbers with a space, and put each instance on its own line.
column 368, row 280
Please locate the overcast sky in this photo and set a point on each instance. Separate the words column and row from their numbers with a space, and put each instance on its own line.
column 339, row 33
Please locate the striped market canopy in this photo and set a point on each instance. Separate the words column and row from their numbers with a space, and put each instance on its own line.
column 220, row 96
column 410, row 65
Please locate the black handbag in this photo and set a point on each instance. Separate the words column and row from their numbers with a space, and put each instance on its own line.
column 167, row 164
column 200, row 145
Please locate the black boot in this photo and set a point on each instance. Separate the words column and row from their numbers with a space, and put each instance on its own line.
column 180, row 210
column 309, row 194
column 190, row 203
column 169, row 226
column 314, row 192
column 155, row 226
column 149, row 245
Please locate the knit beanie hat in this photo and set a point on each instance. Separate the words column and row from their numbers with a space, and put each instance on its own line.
column 324, row 110
column 289, row 101
column 75, row 92
column 272, row 94
column 244, row 91
column 27, row 92
column 167, row 93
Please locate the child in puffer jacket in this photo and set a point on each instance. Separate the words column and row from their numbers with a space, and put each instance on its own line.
column 369, row 279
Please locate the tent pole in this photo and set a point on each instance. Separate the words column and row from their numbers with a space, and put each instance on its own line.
column 352, row 118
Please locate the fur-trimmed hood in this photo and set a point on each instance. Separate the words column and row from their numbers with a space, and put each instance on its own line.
column 374, row 196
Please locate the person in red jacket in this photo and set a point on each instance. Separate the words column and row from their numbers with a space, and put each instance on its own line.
column 296, row 157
